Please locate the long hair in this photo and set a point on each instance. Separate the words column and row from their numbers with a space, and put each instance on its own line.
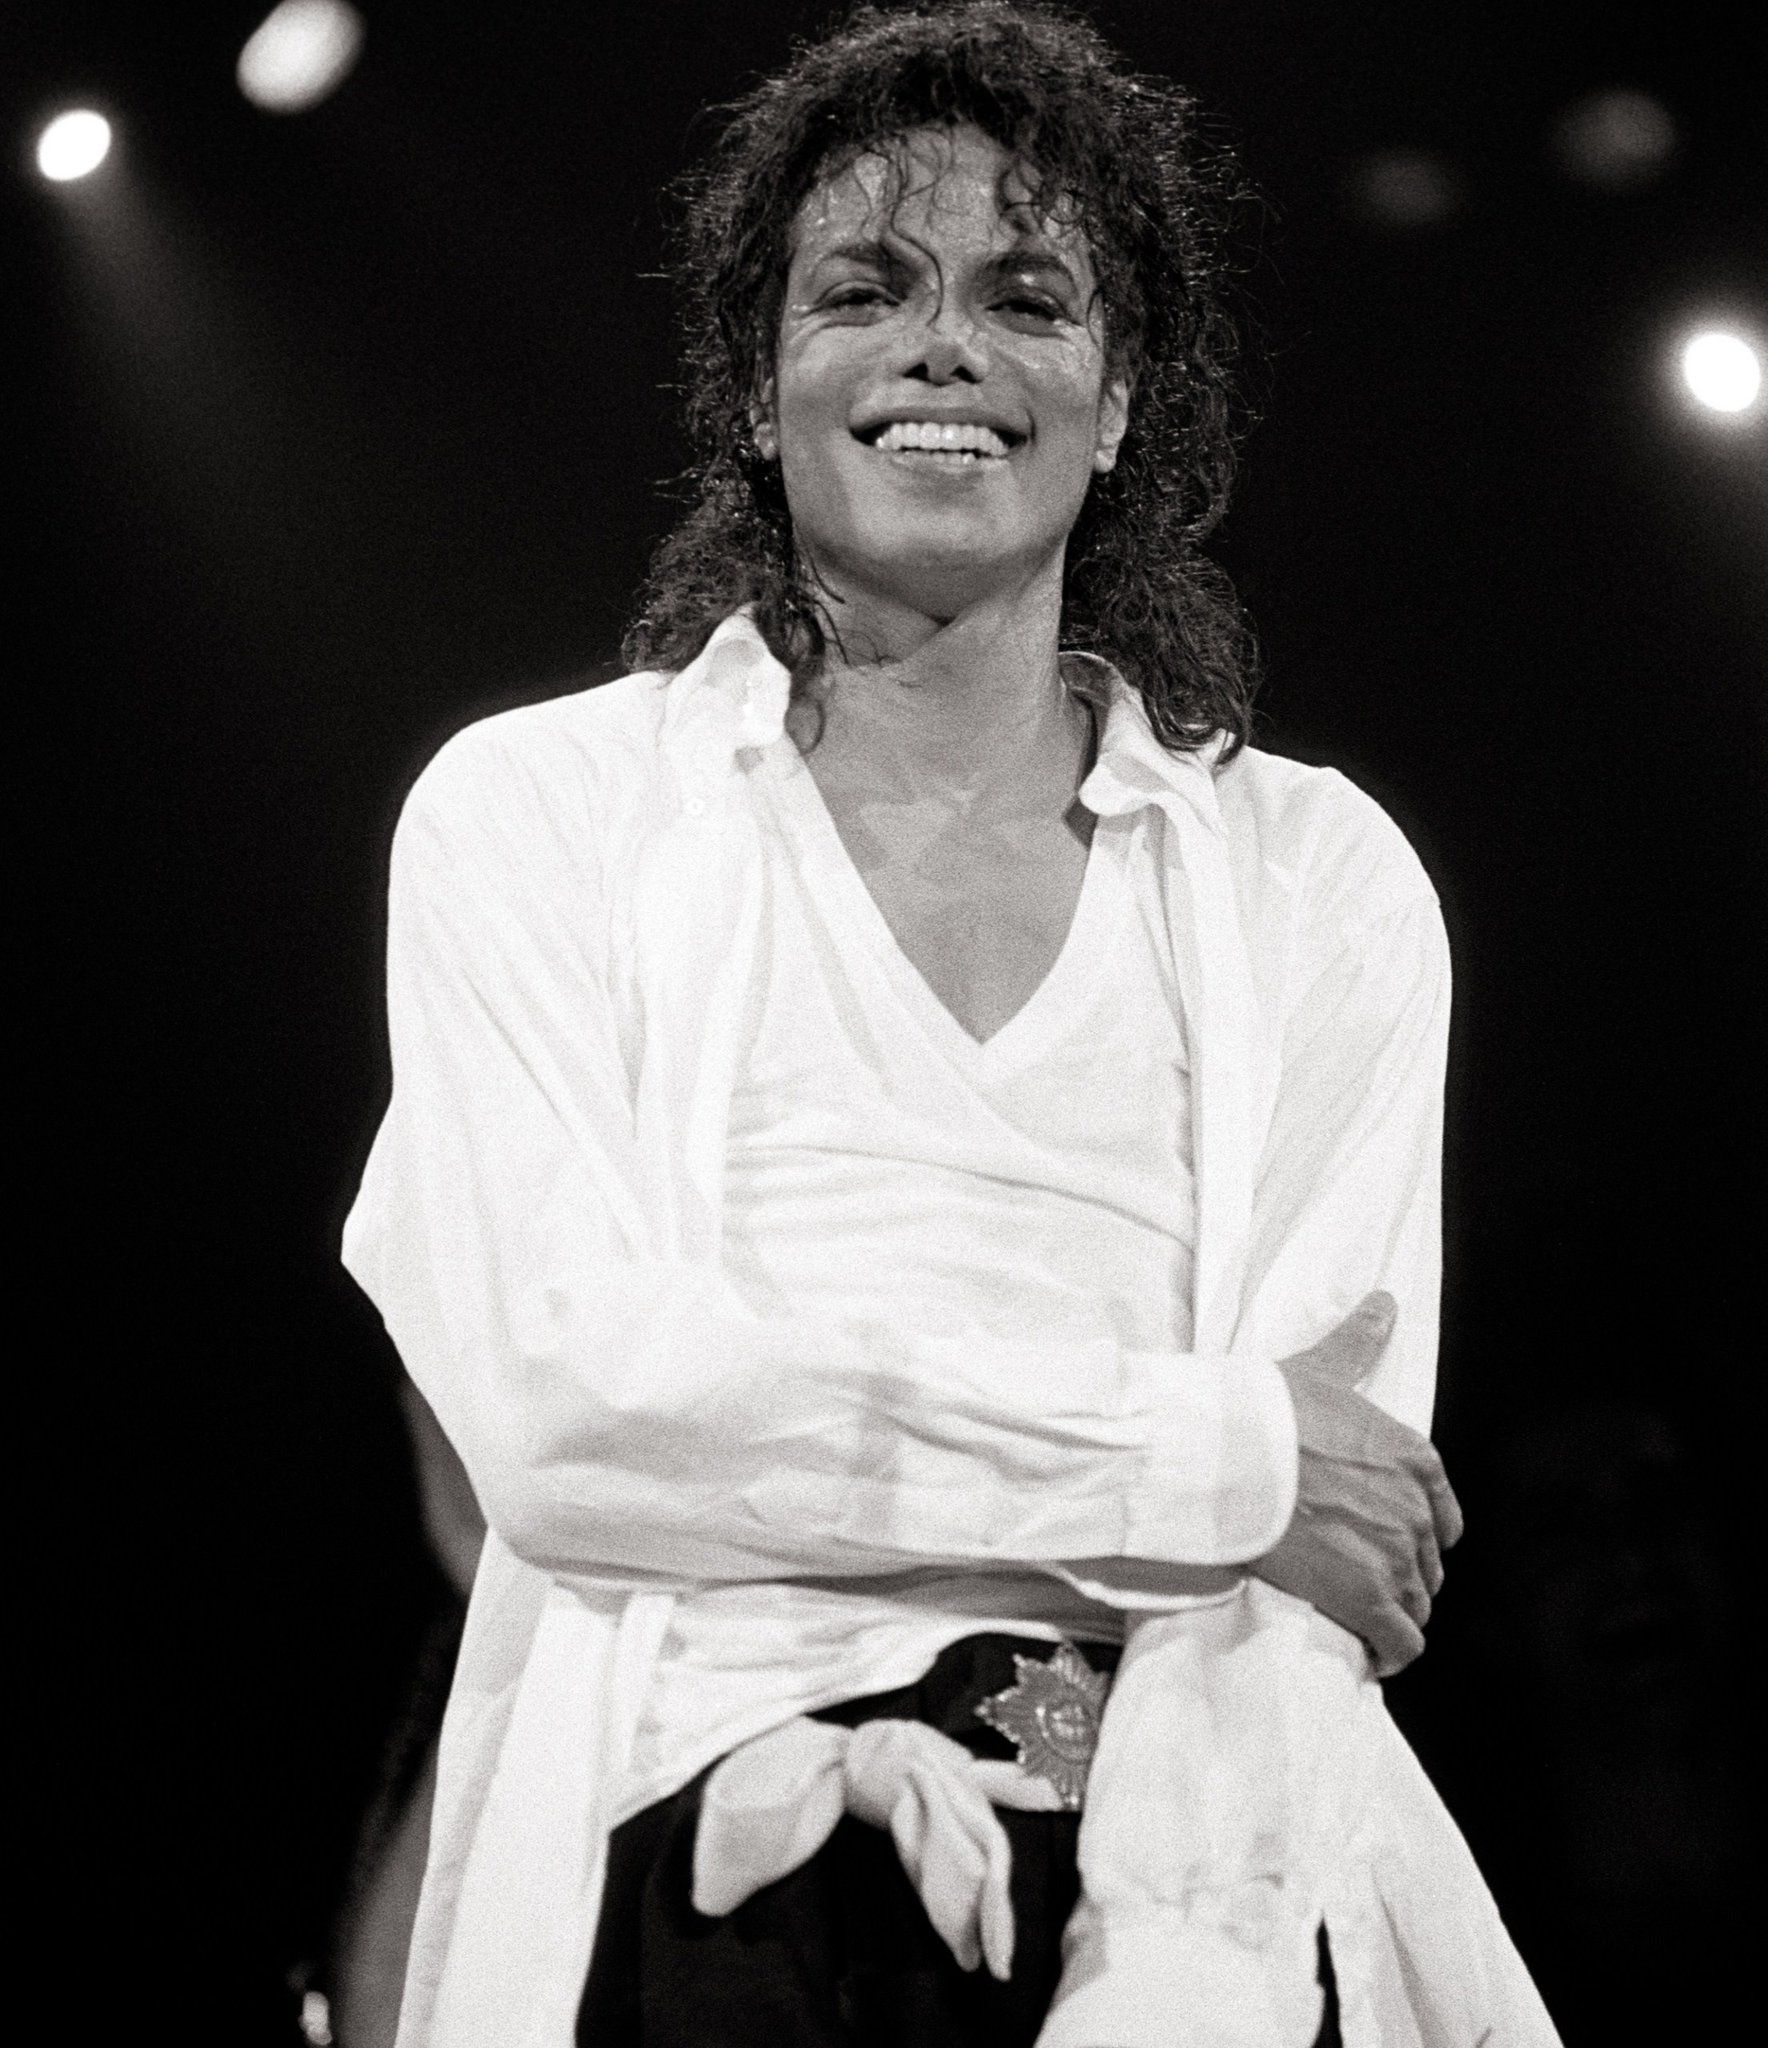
column 1122, row 156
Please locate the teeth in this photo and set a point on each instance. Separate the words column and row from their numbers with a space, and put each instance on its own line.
column 940, row 437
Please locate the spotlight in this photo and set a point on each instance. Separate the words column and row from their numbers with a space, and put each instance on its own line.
column 73, row 145
column 1619, row 139
column 1721, row 371
column 298, row 53
column 1403, row 188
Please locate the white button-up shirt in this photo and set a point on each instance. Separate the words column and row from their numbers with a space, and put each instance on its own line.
column 576, row 901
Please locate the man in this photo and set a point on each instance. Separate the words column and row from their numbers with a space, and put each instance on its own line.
column 904, row 1141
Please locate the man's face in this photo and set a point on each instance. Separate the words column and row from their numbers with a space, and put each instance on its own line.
column 939, row 399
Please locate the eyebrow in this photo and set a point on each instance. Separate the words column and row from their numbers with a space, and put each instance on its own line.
column 1037, row 257
column 1023, row 255
column 869, row 250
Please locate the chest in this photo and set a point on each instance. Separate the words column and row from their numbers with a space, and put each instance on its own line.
column 980, row 907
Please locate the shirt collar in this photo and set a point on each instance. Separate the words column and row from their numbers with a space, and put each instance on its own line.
column 1133, row 768
column 735, row 693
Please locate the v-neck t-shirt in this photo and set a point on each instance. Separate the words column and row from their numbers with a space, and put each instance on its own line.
column 884, row 1164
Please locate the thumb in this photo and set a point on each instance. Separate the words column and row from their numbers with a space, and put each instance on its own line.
column 1350, row 1352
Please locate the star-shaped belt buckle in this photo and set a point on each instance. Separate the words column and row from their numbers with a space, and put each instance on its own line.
column 1051, row 1716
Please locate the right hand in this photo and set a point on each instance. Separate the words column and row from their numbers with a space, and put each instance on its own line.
column 1374, row 1510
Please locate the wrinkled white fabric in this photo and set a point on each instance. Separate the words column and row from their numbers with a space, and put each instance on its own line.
column 885, row 1167
column 1212, row 1827
column 576, row 911
column 772, row 1804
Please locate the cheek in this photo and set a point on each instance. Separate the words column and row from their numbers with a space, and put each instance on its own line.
column 1070, row 394
column 824, row 490
column 816, row 376
column 1061, row 384
column 807, row 408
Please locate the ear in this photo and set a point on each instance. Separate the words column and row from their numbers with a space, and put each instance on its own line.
column 763, row 428
column 1114, row 419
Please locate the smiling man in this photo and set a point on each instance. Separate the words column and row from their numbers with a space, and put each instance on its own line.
column 912, row 1178
column 931, row 503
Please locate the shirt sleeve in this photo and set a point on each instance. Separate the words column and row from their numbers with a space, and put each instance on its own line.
column 1246, row 1771
column 1349, row 1191
column 618, row 1410
column 1350, row 1187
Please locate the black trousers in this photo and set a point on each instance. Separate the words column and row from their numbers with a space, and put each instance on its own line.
column 840, row 1954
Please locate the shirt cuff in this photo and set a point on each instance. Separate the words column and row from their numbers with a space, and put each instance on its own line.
column 1220, row 1480
column 1216, row 1487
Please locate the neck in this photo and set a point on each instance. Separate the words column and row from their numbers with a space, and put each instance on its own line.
column 968, row 711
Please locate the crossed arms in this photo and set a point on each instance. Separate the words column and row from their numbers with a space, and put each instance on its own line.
column 622, row 1414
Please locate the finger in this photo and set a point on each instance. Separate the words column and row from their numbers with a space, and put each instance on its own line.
column 1430, row 1563
column 1414, row 1600
column 1376, row 1315
column 1371, row 1320
column 1399, row 1641
column 1351, row 1349
column 1445, row 1511
column 1422, row 1460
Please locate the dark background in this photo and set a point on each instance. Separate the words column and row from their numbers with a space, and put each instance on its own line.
column 333, row 432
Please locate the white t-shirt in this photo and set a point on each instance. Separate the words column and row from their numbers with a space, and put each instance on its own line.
column 883, row 1165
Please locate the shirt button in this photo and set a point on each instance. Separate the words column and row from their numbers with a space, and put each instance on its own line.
column 695, row 807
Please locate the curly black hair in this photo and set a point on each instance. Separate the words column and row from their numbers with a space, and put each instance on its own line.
column 1123, row 156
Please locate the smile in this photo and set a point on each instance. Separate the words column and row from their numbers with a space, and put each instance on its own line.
column 943, row 444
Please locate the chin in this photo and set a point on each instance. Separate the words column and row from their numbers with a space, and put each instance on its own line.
column 939, row 576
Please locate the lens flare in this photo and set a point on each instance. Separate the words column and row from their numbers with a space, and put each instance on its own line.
column 73, row 145
column 1403, row 188
column 1618, row 139
column 298, row 54
column 1722, row 371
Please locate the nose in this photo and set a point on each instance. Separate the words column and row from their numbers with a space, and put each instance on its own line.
column 946, row 348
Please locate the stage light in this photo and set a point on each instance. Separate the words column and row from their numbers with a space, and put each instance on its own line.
column 298, row 53
column 1618, row 139
column 1403, row 188
column 1722, row 371
column 73, row 145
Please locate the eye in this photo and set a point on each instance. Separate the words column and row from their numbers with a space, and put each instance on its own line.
column 856, row 297
column 1031, row 306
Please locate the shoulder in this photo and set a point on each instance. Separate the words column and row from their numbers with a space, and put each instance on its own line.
column 1335, row 848
column 573, row 766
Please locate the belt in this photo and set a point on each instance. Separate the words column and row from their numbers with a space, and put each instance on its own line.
column 1051, row 1716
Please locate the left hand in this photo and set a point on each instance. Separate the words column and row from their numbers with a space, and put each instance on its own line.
column 1374, row 1509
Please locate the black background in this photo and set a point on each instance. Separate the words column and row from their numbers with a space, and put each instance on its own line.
column 335, row 431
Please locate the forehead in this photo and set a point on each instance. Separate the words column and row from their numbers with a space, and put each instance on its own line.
column 938, row 186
